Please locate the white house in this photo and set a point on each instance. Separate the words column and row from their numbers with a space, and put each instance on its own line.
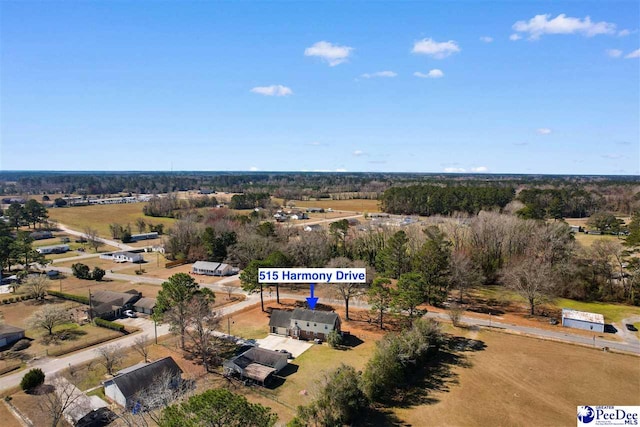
column 123, row 257
column 128, row 383
column 55, row 249
column 213, row 268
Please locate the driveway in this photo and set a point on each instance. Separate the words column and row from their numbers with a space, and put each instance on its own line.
column 278, row 342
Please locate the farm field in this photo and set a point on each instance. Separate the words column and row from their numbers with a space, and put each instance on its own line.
column 355, row 205
column 518, row 381
column 99, row 217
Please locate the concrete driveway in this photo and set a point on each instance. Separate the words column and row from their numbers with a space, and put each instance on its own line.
column 278, row 342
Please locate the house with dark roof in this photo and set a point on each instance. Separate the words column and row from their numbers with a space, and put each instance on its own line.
column 257, row 364
column 302, row 323
column 10, row 334
column 124, row 388
column 145, row 305
column 110, row 304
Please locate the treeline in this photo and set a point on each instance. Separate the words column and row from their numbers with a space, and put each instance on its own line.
column 169, row 205
column 436, row 200
column 249, row 201
column 559, row 203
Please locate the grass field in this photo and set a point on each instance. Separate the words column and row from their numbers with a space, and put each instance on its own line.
column 99, row 217
column 518, row 381
column 356, row 205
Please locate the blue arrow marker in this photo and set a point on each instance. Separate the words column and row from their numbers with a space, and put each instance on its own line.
column 311, row 301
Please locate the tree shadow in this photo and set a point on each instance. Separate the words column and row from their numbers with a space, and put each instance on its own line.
column 349, row 342
column 380, row 417
column 437, row 375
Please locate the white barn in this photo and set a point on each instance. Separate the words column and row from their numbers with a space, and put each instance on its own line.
column 582, row 320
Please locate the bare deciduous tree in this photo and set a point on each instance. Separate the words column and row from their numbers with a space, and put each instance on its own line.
column 465, row 274
column 93, row 240
column 64, row 397
column 347, row 291
column 49, row 317
column 202, row 322
column 531, row 279
column 455, row 313
column 142, row 344
column 37, row 286
column 229, row 289
column 110, row 357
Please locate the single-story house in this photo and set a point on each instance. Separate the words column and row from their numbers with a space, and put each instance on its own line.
column 582, row 320
column 213, row 268
column 315, row 210
column 145, row 305
column 304, row 323
column 257, row 364
column 110, row 304
column 41, row 235
column 55, row 249
column 10, row 334
column 144, row 236
column 123, row 257
column 128, row 383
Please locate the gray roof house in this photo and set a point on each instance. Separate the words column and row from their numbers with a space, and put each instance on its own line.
column 145, row 305
column 109, row 304
column 257, row 364
column 303, row 323
column 10, row 334
column 128, row 383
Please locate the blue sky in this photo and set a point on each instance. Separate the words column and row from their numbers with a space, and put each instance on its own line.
column 498, row 87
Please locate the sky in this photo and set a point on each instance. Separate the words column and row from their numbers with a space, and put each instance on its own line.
column 544, row 87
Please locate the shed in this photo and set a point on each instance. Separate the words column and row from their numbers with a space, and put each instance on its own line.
column 257, row 364
column 10, row 334
column 582, row 320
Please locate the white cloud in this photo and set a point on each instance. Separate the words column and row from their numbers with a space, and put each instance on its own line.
column 486, row 39
column 454, row 170
column 253, row 168
column 480, row 169
column 273, row 90
column 624, row 33
column 514, row 37
column 634, row 54
column 379, row 74
column 614, row 53
column 315, row 143
column 562, row 24
column 359, row 153
column 544, row 131
column 341, row 170
column 612, row 156
column 432, row 74
column 332, row 53
column 433, row 48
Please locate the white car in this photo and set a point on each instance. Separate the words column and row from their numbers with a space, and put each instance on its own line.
column 130, row 313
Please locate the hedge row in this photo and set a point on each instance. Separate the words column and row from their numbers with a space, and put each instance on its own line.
column 77, row 298
column 17, row 298
column 109, row 325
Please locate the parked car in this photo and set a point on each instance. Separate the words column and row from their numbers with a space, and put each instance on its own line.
column 288, row 353
column 130, row 313
column 553, row 321
column 631, row 327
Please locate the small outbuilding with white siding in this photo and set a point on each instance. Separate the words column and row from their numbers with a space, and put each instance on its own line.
column 582, row 320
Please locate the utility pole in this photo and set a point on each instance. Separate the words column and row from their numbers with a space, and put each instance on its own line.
column 90, row 307
column 155, row 328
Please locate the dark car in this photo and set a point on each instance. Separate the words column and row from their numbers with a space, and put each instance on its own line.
column 289, row 355
column 631, row 327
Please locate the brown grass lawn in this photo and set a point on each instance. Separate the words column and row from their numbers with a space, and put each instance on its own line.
column 354, row 205
column 73, row 285
column 100, row 216
column 7, row 417
column 518, row 381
